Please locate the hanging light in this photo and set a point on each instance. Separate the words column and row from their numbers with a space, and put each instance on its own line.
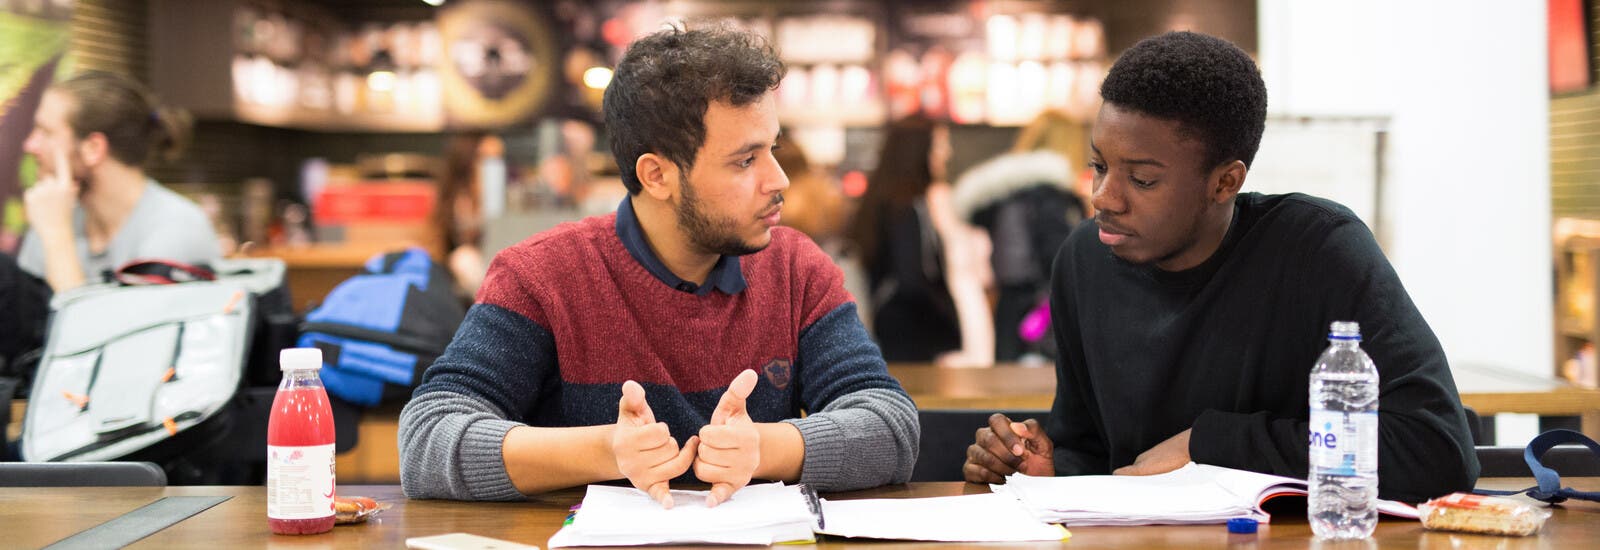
column 597, row 77
column 382, row 77
column 381, row 81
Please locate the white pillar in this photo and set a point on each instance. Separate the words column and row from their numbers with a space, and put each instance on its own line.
column 1466, row 199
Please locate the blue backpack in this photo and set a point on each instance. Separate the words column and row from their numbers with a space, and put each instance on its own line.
column 379, row 330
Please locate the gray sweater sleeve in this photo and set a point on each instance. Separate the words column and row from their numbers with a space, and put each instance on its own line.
column 453, row 429
column 862, row 429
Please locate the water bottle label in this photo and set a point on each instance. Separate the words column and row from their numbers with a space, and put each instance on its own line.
column 300, row 482
column 1336, row 447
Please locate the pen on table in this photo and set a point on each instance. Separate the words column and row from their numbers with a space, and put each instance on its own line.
column 814, row 503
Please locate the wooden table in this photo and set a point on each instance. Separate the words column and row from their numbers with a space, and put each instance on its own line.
column 1487, row 391
column 34, row 517
column 1000, row 387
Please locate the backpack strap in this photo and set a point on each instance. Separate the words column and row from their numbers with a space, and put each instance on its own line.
column 411, row 259
column 161, row 272
column 1549, row 487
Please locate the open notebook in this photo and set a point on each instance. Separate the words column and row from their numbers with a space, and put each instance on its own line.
column 776, row 513
column 1193, row 494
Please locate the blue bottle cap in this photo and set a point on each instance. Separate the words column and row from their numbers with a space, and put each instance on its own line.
column 1242, row 525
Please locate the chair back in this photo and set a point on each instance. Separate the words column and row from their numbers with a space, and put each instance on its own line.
column 81, row 474
column 1568, row 460
column 946, row 434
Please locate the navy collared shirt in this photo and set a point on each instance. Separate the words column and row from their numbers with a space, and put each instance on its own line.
column 725, row 275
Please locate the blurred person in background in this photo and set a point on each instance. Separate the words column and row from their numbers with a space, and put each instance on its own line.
column 1054, row 130
column 93, row 208
column 816, row 205
column 901, row 243
column 813, row 204
column 458, row 214
column 1023, row 206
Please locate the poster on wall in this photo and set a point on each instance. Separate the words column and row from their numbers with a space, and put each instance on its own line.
column 34, row 38
column 499, row 61
column 1569, row 47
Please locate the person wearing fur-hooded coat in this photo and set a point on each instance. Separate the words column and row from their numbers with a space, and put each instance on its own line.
column 1026, row 204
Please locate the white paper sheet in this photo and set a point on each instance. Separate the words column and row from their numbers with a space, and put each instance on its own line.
column 988, row 517
column 624, row 516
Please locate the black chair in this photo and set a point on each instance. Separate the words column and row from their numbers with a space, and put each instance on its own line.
column 81, row 474
column 1567, row 460
column 946, row 434
column 1475, row 427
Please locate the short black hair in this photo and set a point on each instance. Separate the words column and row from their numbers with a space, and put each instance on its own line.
column 1208, row 85
column 657, row 99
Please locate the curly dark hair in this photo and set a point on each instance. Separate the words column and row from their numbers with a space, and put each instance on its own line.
column 1210, row 86
column 657, row 99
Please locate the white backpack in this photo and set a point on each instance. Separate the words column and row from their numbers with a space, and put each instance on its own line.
column 128, row 367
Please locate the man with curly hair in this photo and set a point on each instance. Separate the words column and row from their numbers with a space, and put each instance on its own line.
column 685, row 331
column 1188, row 315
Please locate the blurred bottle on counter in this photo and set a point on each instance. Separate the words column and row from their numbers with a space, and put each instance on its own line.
column 492, row 176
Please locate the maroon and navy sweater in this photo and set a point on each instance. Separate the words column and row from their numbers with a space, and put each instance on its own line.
column 566, row 316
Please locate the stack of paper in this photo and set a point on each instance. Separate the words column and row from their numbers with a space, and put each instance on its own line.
column 624, row 516
column 1196, row 493
column 990, row 517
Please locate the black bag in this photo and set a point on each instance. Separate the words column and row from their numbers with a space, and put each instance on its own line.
column 24, row 309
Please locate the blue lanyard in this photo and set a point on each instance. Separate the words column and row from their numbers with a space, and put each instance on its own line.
column 1549, row 488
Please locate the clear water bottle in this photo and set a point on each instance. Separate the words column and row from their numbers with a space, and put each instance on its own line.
column 1344, row 438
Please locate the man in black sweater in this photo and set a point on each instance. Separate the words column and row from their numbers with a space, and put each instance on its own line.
column 1189, row 316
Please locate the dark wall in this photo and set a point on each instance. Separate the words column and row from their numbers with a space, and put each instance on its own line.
column 227, row 152
column 1128, row 21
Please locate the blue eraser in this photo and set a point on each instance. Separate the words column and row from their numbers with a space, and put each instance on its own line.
column 1241, row 525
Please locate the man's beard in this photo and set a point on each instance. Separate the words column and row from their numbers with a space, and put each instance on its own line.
column 709, row 233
